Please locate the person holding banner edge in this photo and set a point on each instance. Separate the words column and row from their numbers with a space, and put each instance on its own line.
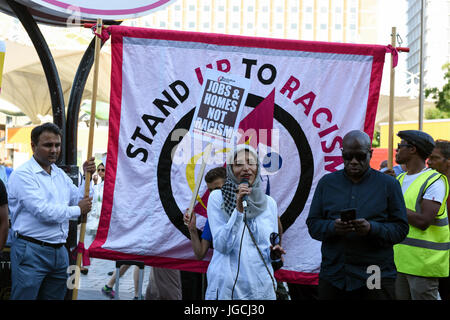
column 241, row 264
column 42, row 200
column 215, row 179
column 192, row 282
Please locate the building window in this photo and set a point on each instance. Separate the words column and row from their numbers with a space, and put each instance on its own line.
column 308, row 26
column 249, row 25
column 338, row 26
column 235, row 8
column 294, row 26
column 191, row 25
column 323, row 26
column 206, row 25
column 191, row 8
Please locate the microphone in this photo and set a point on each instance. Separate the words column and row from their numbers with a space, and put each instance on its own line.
column 244, row 198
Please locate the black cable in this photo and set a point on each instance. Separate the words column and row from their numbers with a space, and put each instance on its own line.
column 239, row 256
column 261, row 256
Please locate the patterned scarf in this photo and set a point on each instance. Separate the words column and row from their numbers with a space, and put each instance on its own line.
column 256, row 201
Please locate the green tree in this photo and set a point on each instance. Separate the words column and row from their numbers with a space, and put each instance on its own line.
column 376, row 139
column 441, row 96
column 434, row 113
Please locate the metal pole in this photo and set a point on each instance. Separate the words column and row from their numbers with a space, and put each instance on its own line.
column 421, row 57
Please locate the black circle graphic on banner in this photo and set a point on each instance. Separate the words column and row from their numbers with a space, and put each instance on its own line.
column 298, row 202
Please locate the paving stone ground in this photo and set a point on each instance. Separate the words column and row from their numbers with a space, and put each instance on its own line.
column 92, row 283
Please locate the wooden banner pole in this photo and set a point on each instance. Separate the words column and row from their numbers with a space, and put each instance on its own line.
column 89, row 153
column 391, row 104
column 198, row 181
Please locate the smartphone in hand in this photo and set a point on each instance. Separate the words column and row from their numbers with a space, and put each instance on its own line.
column 348, row 214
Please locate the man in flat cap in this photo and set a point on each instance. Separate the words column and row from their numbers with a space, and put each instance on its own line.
column 423, row 257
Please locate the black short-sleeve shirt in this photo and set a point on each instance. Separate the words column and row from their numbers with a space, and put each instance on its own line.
column 3, row 194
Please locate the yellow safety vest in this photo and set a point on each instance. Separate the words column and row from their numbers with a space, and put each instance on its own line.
column 424, row 253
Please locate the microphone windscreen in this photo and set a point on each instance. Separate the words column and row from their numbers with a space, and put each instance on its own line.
column 244, row 180
column 245, row 197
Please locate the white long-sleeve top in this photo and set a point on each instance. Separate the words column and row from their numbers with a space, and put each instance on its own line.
column 254, row 282
column 42, row 204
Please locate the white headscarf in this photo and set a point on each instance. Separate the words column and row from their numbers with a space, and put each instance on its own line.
column 257, row 200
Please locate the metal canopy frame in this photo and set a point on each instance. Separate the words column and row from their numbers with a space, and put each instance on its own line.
column 69, row 126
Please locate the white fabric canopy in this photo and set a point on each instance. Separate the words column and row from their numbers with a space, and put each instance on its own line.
column 24, row 83
column 77, row 12
column 405, row 109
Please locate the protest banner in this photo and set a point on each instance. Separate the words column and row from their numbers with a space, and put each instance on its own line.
column 219, row 110
column 303, row 98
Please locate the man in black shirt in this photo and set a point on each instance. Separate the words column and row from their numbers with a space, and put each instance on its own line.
column 4, row 224
column 358, row 251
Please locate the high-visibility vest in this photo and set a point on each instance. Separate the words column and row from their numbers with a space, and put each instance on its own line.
column 424, row 253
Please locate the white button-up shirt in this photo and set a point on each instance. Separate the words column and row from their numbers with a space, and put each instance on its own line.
column 42, row 204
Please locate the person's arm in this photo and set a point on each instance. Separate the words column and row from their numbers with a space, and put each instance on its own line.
column 276, row 252
column 280, row 229
column 423, row 220
column 4, row 225
column 429, row 207
column 32, row 199
column 395, row 228
column 77, row 193
column 390, row 172
column 224, row 231
column 200, row 246
column 204, row 247
column 320, row 227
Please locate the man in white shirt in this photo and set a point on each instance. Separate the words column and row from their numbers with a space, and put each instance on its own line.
column 42, row 199
column 423, row 257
